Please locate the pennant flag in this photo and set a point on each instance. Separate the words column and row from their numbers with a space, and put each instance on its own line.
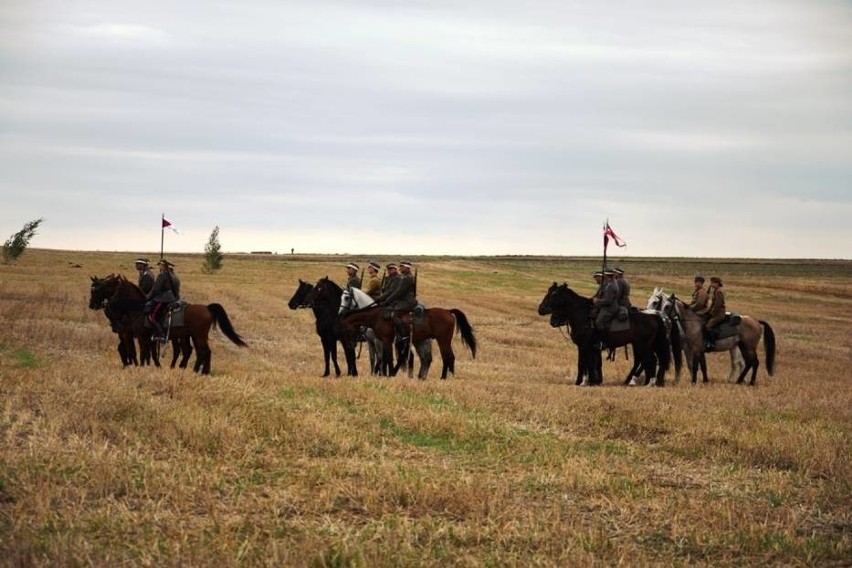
column 168, row 224
column 608, row 233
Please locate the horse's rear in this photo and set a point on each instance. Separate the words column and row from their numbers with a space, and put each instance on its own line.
column 198, row 319
column 751, row 330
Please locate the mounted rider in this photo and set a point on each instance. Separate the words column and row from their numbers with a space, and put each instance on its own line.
column 146, row 277
column 372, row 284
column 166, row 290
column 607, row 304
column 353, row 281
column 399, row 297
column 717, row 311
column 699, row 297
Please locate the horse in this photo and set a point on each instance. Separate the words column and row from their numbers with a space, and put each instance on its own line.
column 646, row 334
column 115, row 311
column 433, row 323
column 742, row 346
column 127, row 298
column 324, row 299
column 656, row 305
column 357, row 299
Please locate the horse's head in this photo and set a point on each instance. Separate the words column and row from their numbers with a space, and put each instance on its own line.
column 655, row 302
column 325, row 292
column 102, row 290
column 301, row 298
column 347, row 301
column 545, row 307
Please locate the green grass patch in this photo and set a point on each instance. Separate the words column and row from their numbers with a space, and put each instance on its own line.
column 25, row 358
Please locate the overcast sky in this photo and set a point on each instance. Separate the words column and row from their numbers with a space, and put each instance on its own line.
column 430, row 127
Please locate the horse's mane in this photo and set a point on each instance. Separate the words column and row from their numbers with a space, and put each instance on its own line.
column 586, row 302
column 124, row 283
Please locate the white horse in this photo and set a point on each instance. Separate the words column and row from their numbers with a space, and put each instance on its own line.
column 357, row 299
column 667, row 306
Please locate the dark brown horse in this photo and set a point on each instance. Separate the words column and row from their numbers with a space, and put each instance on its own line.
column 324, row 299
column 435, row 323
column 116, row 312
column 647, row 334
column 126, row 299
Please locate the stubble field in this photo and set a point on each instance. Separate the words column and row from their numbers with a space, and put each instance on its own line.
column 505, row 464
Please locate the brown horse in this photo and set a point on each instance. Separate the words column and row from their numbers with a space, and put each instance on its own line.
column 125, row 298
column 747, row 338
column 435, row 323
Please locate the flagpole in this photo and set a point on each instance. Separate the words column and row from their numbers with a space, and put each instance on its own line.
column 162, row 230
column 605, row 243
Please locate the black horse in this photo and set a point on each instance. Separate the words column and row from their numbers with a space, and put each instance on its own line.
column 324, row 299
column 647, row 335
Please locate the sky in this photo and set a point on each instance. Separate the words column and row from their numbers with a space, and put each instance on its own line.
column 462, row 127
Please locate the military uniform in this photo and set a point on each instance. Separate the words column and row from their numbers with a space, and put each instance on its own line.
column 607, row 305
column 353, row 281
column 166, row 290
column 699, row 298
column 623, row 288
column 372, row 284
column 146, row 277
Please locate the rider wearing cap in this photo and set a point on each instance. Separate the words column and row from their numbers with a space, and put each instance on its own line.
column 372, row 284
column 166, row 290
column 402, row 298
column 146, row 277
column 607, row 304
column 623, row 287
column 717, row 311
column 352, row 272
column 699, row 297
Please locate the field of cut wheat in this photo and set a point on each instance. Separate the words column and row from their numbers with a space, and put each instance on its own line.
column 506, row 463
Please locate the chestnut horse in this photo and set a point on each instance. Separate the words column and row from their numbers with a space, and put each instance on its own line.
column 435, row 323
column 127, row 298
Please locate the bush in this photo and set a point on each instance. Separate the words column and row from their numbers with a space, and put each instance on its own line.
column 18, row 243
column 212, row 253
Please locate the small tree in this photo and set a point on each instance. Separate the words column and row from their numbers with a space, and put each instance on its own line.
column 17, row 243
column 212, row 253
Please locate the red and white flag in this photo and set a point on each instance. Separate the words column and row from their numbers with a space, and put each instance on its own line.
column 168, row 225
column 608, row 233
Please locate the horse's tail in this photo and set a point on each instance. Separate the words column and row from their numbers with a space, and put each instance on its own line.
column 465, row 330
column 662, row 347
column 677, row 348
column 220, row 318
column 769, row 346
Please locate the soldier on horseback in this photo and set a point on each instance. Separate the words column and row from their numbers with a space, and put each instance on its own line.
column 399, row 295
column 166, row 290
column 146, row 277
column 607, row 304
column 353, row 281
column 699, row 297
column 623, row 288
column 372, row 285
column 717, row 312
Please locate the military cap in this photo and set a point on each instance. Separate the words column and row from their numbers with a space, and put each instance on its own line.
column 598, row 273
column 405, row 263
column 166, row 262
column 618, row 270
column 374, row 265
column 716, row 279
column 141, row 260
column 391, row 265
column 699, row 278
column 353, row 266
column 608, row 272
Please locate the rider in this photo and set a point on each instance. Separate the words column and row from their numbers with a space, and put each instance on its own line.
column 699, row 297
column 372, row 284
column 166, row 290
column 352, row 272
column 716, row 311
column 401, row 298
column 623, row 287
column 146, row 277
column 607, row 304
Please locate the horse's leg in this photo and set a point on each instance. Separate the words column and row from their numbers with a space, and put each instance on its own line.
column 424, row 350
column 448, row 358
column 326, row 355
column 750, row 358
column 703, row 363
column 186, row 351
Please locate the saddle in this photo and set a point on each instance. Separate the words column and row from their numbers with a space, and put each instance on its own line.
column 729, row 327
column 619, row 324
column 173, row 314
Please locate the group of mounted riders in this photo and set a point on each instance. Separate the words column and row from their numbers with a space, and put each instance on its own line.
column 396, row 291
column 612, row 301
column 160, row 291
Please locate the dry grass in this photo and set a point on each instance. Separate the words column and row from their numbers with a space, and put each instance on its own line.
column 505, row 464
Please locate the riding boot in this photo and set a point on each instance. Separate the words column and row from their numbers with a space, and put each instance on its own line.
column 710, row 340
column 159, row 334
column 400, row 329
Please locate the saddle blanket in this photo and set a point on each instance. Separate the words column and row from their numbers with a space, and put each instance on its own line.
column 618, row 325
